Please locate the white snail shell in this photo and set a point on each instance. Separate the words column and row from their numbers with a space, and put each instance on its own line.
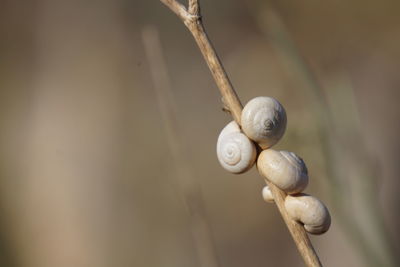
column 267, row 194
column 284, row 169
column 235, row 151
column 264, row 121
column 310, row 211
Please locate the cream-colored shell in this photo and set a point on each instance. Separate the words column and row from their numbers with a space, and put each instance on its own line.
column 267, row 194
column 284, row 169
column 310, row 211
column 264, row 121
column 235, row 151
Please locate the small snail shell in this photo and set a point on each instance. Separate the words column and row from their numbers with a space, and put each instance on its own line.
column 235, row 151
column 264, row 121
column 284, row 169
column 310, row 211
column 267, row 194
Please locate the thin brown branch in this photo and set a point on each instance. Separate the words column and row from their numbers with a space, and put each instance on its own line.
column 177, row 8
column 193, row 22
column 194, row 7
column 233, row 104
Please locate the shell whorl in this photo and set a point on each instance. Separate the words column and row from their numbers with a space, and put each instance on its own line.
column 264, row 121
column 235, row 151
column 310, row 211
column 284, row 169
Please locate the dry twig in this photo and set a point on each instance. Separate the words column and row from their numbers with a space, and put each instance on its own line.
column 192, row 19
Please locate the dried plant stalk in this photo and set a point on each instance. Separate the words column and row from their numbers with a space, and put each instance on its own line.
column 272, row 25
column 192, row 19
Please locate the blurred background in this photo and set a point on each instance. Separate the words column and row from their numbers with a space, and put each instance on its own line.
column 107, row 158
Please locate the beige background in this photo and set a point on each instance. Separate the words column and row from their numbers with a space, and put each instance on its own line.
column 86, row 174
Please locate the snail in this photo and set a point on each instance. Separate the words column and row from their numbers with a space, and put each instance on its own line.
column 264, row 121
column 267, row 194
column 309, row 211
column 284, row 169
column 235, row 151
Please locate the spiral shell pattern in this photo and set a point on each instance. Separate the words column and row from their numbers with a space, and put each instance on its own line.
column 264, row 121
column 235, row 151
column 310, row 211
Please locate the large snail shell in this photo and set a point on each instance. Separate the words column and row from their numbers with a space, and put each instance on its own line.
column 264, row 121
column 310, row 211
column 284, row 169
column 235, row 151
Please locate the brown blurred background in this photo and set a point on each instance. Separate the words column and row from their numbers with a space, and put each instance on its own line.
column 87, row 177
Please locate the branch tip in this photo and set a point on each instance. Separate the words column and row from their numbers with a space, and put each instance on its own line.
column 176, row 7
column 194, row 7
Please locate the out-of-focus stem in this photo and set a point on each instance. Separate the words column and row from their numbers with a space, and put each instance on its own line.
column 269, row 21
column 185, row 179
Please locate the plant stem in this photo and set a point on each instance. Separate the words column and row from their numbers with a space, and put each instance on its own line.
column 192, row 19
column 273, row 26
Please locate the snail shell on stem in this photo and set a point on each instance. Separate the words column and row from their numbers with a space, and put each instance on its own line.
column 264, row 121
column 267, row 194
column 310, row 211
column 284, row 169
column 235, row 151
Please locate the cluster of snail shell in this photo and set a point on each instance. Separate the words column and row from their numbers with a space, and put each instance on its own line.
column 264, row 122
